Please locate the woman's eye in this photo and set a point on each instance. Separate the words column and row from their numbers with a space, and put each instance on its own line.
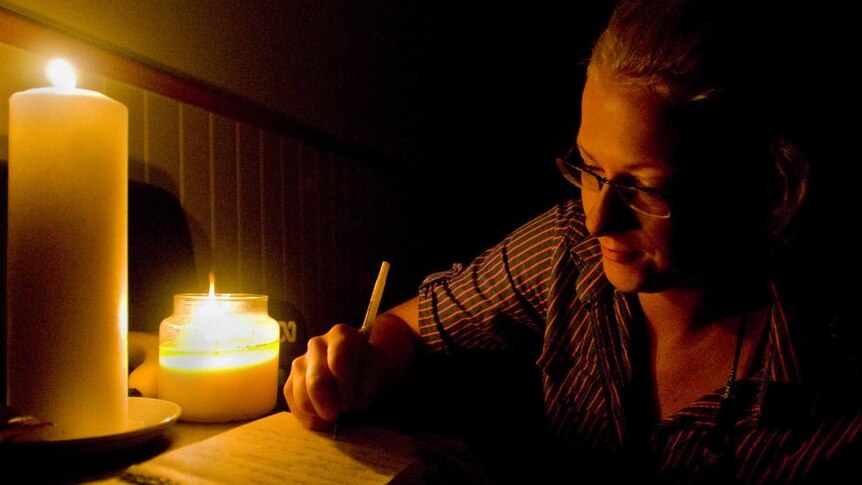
column 633, row 182
column 643, row 186
column 630, row 181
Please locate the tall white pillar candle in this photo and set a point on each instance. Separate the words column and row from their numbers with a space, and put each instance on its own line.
column 67, row 260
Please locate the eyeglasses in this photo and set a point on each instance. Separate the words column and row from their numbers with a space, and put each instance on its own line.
column 651, row 202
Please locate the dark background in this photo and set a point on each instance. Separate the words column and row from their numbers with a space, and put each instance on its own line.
column 488, row 95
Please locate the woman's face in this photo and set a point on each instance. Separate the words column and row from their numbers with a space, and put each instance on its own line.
column 625, row 136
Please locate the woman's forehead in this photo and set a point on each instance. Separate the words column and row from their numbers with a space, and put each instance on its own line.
column 625, row 125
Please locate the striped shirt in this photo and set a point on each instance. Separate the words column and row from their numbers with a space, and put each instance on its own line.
column 545, row 281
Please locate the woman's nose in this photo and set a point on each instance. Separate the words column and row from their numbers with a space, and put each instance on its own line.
column 606, row 212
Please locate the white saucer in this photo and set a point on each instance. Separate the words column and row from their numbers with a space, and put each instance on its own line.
column 148, row 417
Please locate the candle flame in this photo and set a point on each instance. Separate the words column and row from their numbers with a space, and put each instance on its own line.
column 62, row 74
column 212, row 285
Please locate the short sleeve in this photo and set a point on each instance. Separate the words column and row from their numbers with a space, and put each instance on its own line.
column 501, row 293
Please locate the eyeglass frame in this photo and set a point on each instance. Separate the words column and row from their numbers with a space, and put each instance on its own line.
column 566, row 166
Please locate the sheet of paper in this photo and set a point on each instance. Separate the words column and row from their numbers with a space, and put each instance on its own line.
column 277, row 450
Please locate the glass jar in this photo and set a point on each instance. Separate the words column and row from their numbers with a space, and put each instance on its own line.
column 218, row 357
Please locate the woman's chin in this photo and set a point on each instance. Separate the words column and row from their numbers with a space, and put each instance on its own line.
column 624, row 277
column 635, row 277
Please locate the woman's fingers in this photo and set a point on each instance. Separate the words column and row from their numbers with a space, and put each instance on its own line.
column 323, row 382
column 321, row 386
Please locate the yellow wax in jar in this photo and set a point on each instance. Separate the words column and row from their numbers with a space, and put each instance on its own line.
column 225, row 385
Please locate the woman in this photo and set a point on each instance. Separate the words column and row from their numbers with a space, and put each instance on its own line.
column 668, row 351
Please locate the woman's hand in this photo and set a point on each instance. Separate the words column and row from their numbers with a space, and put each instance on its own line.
column 345, row 371
column 340, row 372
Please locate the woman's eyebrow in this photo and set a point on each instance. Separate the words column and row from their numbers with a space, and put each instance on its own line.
column 632, row 165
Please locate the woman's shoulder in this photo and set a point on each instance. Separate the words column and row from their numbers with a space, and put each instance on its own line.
column 561, row 225
column 566, row 217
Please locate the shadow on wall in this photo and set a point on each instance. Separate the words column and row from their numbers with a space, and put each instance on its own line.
column 161, row 259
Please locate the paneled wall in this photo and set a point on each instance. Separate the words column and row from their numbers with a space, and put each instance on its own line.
column 267, row 212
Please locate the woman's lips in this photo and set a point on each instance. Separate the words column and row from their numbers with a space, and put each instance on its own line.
column 618, row 255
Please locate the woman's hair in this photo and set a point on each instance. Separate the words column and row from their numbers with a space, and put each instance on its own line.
column 719, row 62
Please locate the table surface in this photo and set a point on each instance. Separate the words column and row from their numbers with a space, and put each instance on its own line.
column 63, row 466
column 446, row 460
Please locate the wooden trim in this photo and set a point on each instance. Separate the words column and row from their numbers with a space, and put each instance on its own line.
column 38, row 36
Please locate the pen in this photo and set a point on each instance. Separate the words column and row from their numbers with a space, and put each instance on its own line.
column 376, row 296
column 370, row 315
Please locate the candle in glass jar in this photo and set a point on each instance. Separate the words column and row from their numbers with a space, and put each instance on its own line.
column 218, row 356
column 67, row 258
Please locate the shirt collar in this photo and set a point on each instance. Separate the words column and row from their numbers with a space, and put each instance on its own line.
column 781, row 360
column 779, row 387
column 591, row 283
